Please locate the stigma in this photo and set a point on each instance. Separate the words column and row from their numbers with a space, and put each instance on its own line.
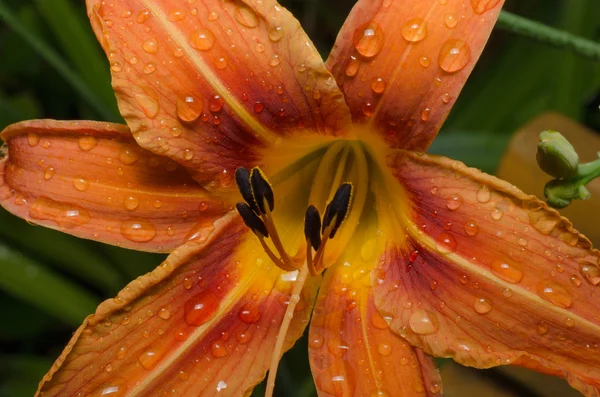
column 257, row 213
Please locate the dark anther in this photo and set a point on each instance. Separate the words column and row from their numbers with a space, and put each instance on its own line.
column 312, row 227
column 338, row 208
column 252, row 220
column 262, row 190
column 242, row 178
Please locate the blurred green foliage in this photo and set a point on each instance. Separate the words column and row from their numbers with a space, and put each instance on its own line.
column 52, row 67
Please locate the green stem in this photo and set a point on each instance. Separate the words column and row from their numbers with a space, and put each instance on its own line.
column 589, row 171
column 87, row 94
column 549, row 35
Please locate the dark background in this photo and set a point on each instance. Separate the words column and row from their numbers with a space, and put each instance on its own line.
column 52, row 67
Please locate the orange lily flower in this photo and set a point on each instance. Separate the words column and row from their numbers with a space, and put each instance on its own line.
column 416, row 255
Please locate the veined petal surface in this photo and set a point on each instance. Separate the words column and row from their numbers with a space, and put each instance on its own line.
column 401, row 64
column 202, row 323
column 490, row 276
column 352, row 350
column 92, row 180
column 209, row 83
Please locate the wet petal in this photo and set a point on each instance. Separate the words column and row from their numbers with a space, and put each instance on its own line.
column 210, row 84
column 490, row 276
column 90, row 179
column 352, row 350
column 203, row 322
column 401, row 64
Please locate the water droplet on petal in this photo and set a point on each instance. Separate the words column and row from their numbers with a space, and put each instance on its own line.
column 218, row 349
column 482, row 305
column 189, row 108
column 276, row 33
column 384, row 349
column 445, row 243
column 454, row 202
column 423, row 322
column 148, row 101
column 454, row 55
column 49, row 173
column 471, row 228
column 352, row 66
column 33, row 139
column 450, row 20
column 378, row 321
column 483, row 194
column 65, row 215
column 497, row 214
column 481, row 6
column 368, row 39
column 425, row 62
column 246, row 16
column 81, row 184
column 590, row 272
column 213, row 16
column 148, row 359
column 143, row 16
column 138, row 230
column 216, row 103
column 542, row 328
column 202, row 39
column 425, row 114
column 249, row 313
column 164, row 313
column 131, row 202
column 378, row 85
column 315, row 341
column 177, row 15
column 507, row 271
column 414, row 30
column 555, row 293
column 200, row 308
column 150, row 46
column 87, row 143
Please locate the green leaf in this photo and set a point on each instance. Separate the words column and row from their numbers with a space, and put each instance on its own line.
column 30, row 281
column 50, row 56
column 66, row 252
column 71, row 29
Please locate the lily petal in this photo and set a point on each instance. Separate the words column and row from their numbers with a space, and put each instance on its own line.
column 354, row 353
column 401, row 64
column 92, row 180
column 203, row 322
column 209, row 84
column 490, row 276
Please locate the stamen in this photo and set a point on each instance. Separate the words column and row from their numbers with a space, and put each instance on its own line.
column 338, row 208
column 285, row 325
column 242, row 178
column 262, row 191
column 312, row 226
column 252, row 220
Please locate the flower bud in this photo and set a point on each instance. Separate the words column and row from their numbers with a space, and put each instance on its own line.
column 556, row 156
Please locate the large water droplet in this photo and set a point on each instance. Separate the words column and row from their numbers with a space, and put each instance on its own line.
column 481, row 6
column 423, row 322
column 128, row 155
column 352, row 66
column 177, row 15
column 65, row 215
column 148, row 359
column 202, row 39
column 450, row 20
column 414, row 30
column 385, row 349
column 483, row 194
column 143, row 16
column 368, row 39
column 482, row 305
column 148, row 101
column 87, row 143
column 218, row 348
column 246, row 16
column 507, row 271
column 315, row 341
column 454, row 55
column 138, row 230
column 49, row 173
column 555, row 293
column 378, row 321
column 590, row 272
column 445, row 243
column 378, row 85
column 249, row 313
column 276, row 33
column 131, row 202
column 471, row 228
column 81, row 184
column 150, row 46
column 454, row 202
column 33, row 139
column 216, row 103
column 200, row 308
column 189, row 108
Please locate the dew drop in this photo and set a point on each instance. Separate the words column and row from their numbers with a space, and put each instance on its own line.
column 218, row 349
column 483, row 194
column 445, row 243
column 414, row 30
column 189, row 108
column 454, row 55
column 454, row 202
column 213, row 16
column 275, row 60
column 87, row 143
column 65, row 215
column 202, row 39
column 555, row 293
column 384, row 349
column 81, row 184
column 352, row 66
column 246, row 16
column 507, row 271
column 33, row 139
column 149, row 68
column 590, row 272
column 425, row 62
column 177, row 15
column 315, row 341
column 138, row 230
column 450, row 20
column 446, row 98
column 243, row 337
column 425, row 114
column 249, row 313
column 575, row 281
column 200, row 308
column 148, row 359
column 507, row 293
column 471, row 228
column 143, row 16
column 276, row 33
column 187, row 283
column 378, row 321
column 482, row 305
column 164, row 313
column 131, row 203
column 148, row 101
column 258, row 107
column 378, row 85
column 49, row 173
column 150, row 46
column 216, row 103
column 368, row 39
column 542, row 328
column 481, row 6
column 497, row 214
column 423, row 322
